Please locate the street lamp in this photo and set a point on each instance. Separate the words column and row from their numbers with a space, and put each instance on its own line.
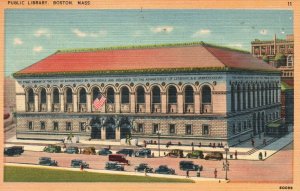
column 158, row 137
column 226, row 148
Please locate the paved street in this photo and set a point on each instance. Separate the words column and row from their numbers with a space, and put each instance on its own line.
column 278, row 168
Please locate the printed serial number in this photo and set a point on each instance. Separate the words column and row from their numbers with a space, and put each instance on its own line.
column 286, row 187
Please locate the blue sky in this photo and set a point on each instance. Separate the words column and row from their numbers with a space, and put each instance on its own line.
column 31, row 35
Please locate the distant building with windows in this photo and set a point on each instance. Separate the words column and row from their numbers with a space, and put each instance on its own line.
column 189, row 92
column 277, row 52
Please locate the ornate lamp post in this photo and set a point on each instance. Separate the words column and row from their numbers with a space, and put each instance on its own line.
column 226, row 148
column 158, row 137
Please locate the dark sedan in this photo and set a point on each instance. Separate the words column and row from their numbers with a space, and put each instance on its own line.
column 46, row 161
column 164, row 169
column 76, row 163
column 141, row 168
column 104, row 152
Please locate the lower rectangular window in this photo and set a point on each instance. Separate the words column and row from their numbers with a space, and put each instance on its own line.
column 68, row 126
column 55, row 126
column 205, row 129
column 172, row 129
column 188, row 129
column 30, row 125
column 140, row 128
column 82, row 126
column 43, row 125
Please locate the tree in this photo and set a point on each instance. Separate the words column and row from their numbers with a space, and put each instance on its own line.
column 279, row 60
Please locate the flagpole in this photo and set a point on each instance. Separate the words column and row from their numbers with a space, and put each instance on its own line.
column 105, row 97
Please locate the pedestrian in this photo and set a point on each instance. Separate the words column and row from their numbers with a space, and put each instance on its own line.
column 145, row 171
column 216, row 173
column 235, row 154
column 252, row 141
column 198, row 173
column 265, row 153
column 192, row 146
column 214, row 145
column 199, row 144
column 223, row 166
column 81, row 167
column 187, row 173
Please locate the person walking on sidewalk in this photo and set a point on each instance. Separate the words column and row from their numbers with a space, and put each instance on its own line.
column 235, row 154
column 252, row 141
column 187, row 173
column 216, row 173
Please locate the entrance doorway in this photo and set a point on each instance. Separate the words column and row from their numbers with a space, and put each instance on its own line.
column 96, row 128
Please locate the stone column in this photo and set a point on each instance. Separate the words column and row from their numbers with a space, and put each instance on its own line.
column 148, row 102
column 49, row 101
column 235, row 101
column 103, row 133
column 197, row 102
column 251, row 97
column 117, row 102
column 163, row 102
column 88, row 102
column 246, row 97
column 132, row 102
column 36, row 102
column 62, row 102
column 180, row 102
column 118, row 133
column 241, row 99
column 75, row 103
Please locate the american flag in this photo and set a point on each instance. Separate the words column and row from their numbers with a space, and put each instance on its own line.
column 99, row 102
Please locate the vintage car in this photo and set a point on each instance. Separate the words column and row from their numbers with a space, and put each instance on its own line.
column 15, row 150
column 118, row 158
column 76, row 163
column 46, row 161
column 89, row 151
column 164, row 169
column 128, row 152
column 189, row 165
column 52, row 149
column 113, row 166
column 104, row 151
column 214, row 155
column 175, row 153
column 72, row 150
column 141, row 168
column 195, row 155
column 143, row 153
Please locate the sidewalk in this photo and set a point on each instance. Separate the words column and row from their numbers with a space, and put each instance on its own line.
column 245, row 150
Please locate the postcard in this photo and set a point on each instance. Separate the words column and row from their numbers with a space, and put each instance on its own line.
column 149, row 95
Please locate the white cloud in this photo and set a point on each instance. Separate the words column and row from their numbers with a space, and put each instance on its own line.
column 80, row 33
column 263, row 31
column 164, row 29
column 235, row 45
column 201, row 32
column 18, row 41
column 37, row 48
column 42, row 32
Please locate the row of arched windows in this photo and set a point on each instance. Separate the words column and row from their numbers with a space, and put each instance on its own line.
column 140, row 98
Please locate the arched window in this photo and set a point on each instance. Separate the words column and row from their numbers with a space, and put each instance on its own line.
column 124, row 95
column 262, row 93
column 244, row 96
column 55, row 96
column 96, row 93
column 172, row 95
column 189, row 95
column 254, row 96
column 232, row 99
column 155, row 94
column 30, row 95
column 110, row 95
column 172, row 99
column 43, row 96
column 82, row 96
column 269, row 90
column 258, row 96
column 239, row 90
column 249, row 96
column 140, row 92
column 69, row 95
column 266, row 94
column 206, row 95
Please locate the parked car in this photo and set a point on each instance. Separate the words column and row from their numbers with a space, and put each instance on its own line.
column 72, row 150
column 46, row 161
column 143, row 153
column 15, row 150
column 118, row 158
column 114, row 166
column 141, row 168
column 195, row 155
column 175, row 153
column 128, row 152
column 76, row 163
column 214, row 155
column 89, row 151
column 164, row 169
column 104, row 151
column 52, row 149
column 189, row 165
